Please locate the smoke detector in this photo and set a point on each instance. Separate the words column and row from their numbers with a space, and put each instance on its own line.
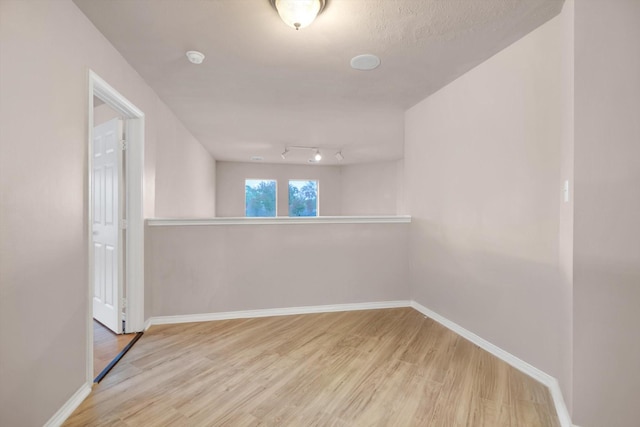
column 195, row 57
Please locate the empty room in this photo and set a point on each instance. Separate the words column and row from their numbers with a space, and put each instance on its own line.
column 319, row 212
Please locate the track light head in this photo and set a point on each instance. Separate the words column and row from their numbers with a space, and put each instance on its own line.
column 339, row 156
column 316, row 156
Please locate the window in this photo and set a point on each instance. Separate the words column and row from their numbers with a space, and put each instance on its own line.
column 260, row 197
column 303, row 198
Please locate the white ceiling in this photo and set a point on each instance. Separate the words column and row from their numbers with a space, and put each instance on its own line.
column 264, row 85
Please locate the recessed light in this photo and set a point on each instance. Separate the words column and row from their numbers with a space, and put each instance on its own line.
column 195, row 57
column 365, row 62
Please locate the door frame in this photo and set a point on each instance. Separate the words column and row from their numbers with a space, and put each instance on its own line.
column 133, row 243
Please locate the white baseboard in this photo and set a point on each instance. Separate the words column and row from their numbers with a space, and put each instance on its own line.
column 67, row 409
column 533, row 372
column 552, row 383
column 246, row 314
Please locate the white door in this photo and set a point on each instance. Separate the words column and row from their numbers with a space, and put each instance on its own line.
column 107, row 238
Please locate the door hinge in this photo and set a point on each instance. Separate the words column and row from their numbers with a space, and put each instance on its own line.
column 124, row 145
column 123, row 224
column 123, row 306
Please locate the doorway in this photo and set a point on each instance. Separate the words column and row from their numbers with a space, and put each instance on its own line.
column 115, row 226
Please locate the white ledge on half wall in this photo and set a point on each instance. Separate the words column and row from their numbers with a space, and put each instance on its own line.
column 281, row 220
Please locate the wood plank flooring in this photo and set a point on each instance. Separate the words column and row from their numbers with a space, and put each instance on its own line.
column 106, row 346
column 390, row 367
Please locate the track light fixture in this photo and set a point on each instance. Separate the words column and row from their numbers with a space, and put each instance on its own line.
column 316, row 156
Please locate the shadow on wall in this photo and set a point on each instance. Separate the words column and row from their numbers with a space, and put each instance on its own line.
column 219, row 268
column 516, row 303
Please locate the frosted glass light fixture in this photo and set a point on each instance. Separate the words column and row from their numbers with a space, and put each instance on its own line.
column 298, row 13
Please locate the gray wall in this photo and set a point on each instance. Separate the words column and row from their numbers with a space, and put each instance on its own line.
column 46, row 50
column 607, row 214
column 350, row 190
column 484, row 173
column 206, row 269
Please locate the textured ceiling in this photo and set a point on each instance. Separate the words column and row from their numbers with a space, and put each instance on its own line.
column 264, row 85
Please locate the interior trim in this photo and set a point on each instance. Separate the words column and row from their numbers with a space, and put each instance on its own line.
column 521, row 365
column 70, row 405
column 248, row 314
column 281, row 220
column 533, row 372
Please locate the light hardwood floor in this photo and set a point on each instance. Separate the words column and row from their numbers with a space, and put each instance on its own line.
column 390, row 367
column 106, row 346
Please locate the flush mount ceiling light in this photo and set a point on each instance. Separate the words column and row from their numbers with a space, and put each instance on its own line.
column 366, row 62
column 195, row 57
column 298, row 13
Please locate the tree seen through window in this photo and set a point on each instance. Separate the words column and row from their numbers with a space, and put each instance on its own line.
column 303, row 198
column 260, row 197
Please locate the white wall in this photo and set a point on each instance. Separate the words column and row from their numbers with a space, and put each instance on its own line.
column 483, row 166
column 185, row 172
column 207, row 269
column 231, row 176
column 370, row 188
column 350, row 190
column 565, row 231
column 46, row 50
column 103, row 113
column 607, row 214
